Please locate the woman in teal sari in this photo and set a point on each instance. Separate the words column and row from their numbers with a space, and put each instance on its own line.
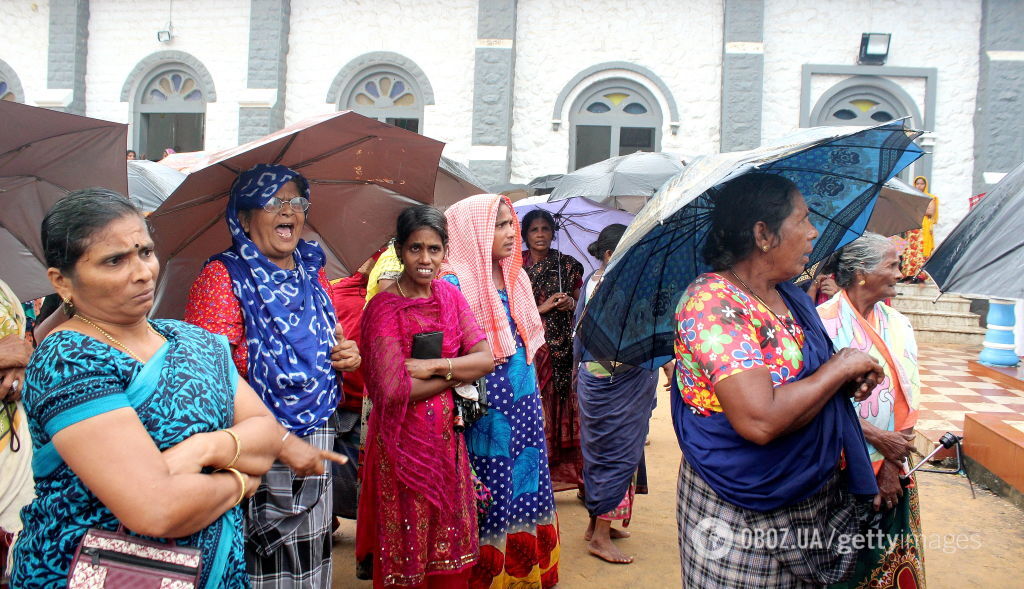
column 134, row 422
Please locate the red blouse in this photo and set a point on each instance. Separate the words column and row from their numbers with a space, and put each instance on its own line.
column 213, row 306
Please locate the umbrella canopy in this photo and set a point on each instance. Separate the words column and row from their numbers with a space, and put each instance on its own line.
column 186, row 161
column 839, row 170
column 455, row 182
column 900, row 207
column 45, row 154
column 624, row 182
column 984, row 254
column 545, row 184
column 150, row 183
column 362, row 174
column 579, row 220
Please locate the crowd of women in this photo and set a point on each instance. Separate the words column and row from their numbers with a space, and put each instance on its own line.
column 237, row 431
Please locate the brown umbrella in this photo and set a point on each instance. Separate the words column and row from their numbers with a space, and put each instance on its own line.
column 45, row 154
column 900, row 207
column 362, row 174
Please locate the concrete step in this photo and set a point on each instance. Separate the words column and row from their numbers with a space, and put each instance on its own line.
column 946, row 304
column 934, row 319
column 927, row 289
column 964, row 336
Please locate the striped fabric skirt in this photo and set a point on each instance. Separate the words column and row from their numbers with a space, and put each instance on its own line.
column 288, row 526
column 808, row 544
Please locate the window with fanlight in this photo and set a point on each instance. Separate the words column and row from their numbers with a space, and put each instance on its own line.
column 859, row 105
column 388, row 96
column 611, row 118
column 172, row 111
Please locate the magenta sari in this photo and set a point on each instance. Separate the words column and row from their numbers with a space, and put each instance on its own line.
column 417, row 514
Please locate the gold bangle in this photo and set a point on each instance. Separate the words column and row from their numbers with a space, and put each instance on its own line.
column 451, row 370
column 238, row 447
column 241, row 481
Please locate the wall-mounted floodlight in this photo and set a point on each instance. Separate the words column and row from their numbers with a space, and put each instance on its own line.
column 874, row 48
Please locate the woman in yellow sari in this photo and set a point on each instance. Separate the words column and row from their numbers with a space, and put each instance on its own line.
column 867, row 271
column 15, row 444
column 920, row 242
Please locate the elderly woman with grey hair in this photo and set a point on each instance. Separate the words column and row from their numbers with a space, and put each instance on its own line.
column 867, row 271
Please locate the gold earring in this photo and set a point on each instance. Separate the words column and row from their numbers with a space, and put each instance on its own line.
column 861, row 283
column 764, row 248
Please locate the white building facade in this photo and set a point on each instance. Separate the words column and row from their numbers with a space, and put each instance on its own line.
column 518, row 89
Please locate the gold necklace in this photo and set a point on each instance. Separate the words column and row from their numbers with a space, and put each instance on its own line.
column 766, row 306
column 117, row 342
column 398, row 283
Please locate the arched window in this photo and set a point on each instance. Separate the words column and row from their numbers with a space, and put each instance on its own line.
column 387, row 94
column 613, row 117
column 866, row 101
column 10, row 85
column 860, row 105
column 170, row 111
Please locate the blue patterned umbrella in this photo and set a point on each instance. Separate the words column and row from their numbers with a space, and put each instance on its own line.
column 839, row 170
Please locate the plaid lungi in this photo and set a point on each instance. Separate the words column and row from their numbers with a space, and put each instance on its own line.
column 807, row 544
column 288, row 526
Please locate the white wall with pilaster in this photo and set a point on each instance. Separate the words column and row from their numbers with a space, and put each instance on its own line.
column 123, row 32
column 439, row 36
column 555, row 40
column 24, row 42
column 941, row 34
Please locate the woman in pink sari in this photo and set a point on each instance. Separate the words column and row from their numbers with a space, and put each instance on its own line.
column 417, row 514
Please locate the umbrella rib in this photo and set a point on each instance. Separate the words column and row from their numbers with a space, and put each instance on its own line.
column 185, row 242
column 285, row 148
column 190, row 204
column 31, row 143
column 331, row 152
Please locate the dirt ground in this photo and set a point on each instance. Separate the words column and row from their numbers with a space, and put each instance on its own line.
column 989, row 531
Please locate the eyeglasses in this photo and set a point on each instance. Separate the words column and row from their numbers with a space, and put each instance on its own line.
column 299, row 204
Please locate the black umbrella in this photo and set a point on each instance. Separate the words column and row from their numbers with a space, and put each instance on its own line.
column 545, row 184
column 984, row 253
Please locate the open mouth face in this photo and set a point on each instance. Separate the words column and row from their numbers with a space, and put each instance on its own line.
column 276, row 234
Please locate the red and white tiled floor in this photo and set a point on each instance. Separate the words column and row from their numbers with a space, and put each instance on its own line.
column 949, row 390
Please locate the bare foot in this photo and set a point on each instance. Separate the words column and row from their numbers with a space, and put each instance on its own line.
column 614, row 533
column 608, row 552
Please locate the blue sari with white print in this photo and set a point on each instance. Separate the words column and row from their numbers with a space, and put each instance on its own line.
column 186, row 388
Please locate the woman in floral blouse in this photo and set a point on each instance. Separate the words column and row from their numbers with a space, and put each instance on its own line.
column 761, row 406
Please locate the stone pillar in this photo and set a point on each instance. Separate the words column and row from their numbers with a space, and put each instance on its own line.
column 999, row 118
column 493, row 80
column 65, row 65
column 261, row 108
column 742, row 74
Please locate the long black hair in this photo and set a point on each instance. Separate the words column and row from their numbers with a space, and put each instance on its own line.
column 608, row 239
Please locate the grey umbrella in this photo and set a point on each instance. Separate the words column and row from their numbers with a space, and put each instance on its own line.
column 984, row 253
column 625, row 182
column 150, row 183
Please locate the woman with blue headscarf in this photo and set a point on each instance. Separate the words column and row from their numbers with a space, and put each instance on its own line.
column 269, row 295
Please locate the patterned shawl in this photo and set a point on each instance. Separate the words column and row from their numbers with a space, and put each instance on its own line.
column 471, row 226
column 893, row 404
column 289, row 319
